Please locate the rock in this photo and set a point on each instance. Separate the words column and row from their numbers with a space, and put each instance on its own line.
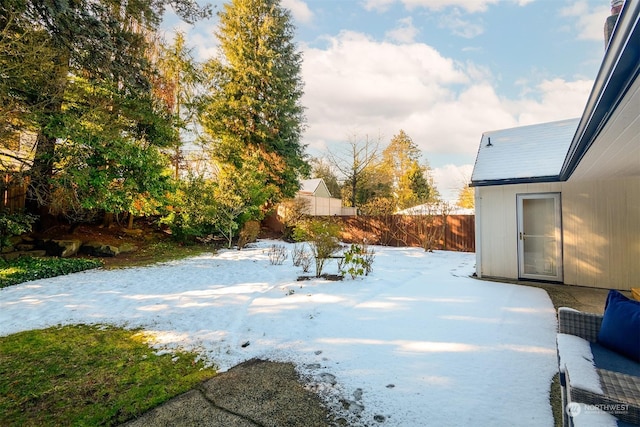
column 328, row 378
column 127, row 248
column 68, row 247
column 133, row 232
column 14, row 240
column 99, row 249
column 25, row 247
column 28, row 239
column 15, row 255
column 61, row 248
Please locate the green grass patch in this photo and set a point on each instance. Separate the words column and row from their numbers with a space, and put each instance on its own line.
column 24, row 269
column 555, row 397
column 88, row 375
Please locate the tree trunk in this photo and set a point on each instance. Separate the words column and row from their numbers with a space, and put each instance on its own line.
column 354, row 187
column 39, row 195
column 108, row 219
column 39, row 190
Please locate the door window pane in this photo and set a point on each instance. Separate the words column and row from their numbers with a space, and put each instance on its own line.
column 539, row 234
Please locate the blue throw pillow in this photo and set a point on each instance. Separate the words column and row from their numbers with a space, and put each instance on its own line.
column 620, row 330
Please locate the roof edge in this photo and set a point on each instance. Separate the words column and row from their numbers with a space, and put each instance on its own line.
column 507, row 181
column 620, row 67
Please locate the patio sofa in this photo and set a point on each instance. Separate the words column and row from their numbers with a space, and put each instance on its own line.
column 599, row 363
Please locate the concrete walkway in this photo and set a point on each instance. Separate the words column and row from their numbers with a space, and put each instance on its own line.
column 254, row 393
column 263, row 393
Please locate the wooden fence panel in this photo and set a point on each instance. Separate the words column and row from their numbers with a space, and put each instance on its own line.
column 457, row 233
column 13, row 194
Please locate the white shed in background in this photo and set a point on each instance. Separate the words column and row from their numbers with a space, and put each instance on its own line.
column 320, row 202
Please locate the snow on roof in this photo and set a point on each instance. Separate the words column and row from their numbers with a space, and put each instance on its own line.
column 309, row 185
column 427, row 208
column 526, row 153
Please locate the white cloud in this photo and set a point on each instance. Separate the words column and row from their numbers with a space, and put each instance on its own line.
column 378, row 5
column 558, row 99
column 205, row 45
column 405, row 32
column 358, row 84
column 470, row 6
column 299, row 10
column 588, row 23
column 460, row 26
column 450, row 179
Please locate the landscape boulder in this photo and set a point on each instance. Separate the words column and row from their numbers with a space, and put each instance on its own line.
column 15, row 255
column 99, row 249
column 62, row 248
column 127, row 248
column 23, row 247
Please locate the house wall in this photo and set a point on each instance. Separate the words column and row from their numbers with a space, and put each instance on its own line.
column 497, row 227
column 322, row 191
column 600, row 223
column 326, row 206
column 601, row 233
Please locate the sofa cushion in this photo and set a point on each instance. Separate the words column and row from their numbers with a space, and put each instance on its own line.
column 610, row 360
column 576, row 361
column 620, row 330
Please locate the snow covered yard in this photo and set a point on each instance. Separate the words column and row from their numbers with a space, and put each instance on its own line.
column 418, row 342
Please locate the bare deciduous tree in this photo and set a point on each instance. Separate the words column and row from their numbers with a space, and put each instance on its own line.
column 353, row 161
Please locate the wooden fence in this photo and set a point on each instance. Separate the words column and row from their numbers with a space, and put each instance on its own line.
column 12, row 193
column 453, row 232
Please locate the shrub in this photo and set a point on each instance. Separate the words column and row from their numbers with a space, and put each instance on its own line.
column 193, row 210
column 292, row 213
column 300, row 257
column 248, row 234
column 369, row 256
column 14, row 224
column 24, row 269
column 277, row 254
column 297, row 253
column 323, row 237
column 358, row 261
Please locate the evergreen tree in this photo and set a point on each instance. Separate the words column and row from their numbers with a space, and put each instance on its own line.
column 254, row 105
column 99, row 44
column 176, row 84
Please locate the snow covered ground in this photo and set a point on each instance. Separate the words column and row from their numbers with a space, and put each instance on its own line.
column 418, row 342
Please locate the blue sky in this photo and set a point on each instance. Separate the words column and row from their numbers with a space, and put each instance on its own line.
column 444, row 71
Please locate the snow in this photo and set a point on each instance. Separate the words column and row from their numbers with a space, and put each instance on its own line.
column 576, row 357
column 531, row 151
column 417, row 342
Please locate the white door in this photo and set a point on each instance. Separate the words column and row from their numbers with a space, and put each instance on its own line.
column 539, row 237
